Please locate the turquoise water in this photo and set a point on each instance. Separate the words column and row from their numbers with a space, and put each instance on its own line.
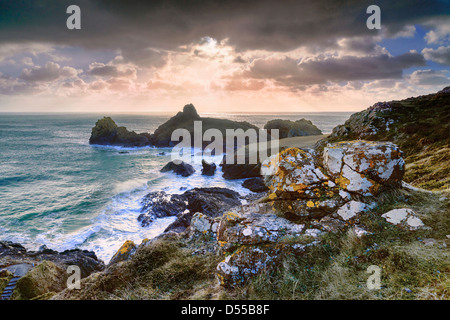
column 57, row 190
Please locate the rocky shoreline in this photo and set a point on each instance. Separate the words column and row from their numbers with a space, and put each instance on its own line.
column 344, row 188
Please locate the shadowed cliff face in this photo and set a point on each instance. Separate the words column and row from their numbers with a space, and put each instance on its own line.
column 420, row 126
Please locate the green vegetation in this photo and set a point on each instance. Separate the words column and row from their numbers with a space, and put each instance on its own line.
column 415, row 264
column 420, row 126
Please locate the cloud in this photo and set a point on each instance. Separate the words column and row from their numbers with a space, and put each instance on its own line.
column 244, row 85
column 291, row 73
column 103, row 70
column 145, row 31
column 49, row 72
column 440, row 32
column 440, row 55
column 429, row 77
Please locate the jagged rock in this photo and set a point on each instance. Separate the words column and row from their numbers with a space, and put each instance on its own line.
column 364, row 167
column 288, row 128
column 106, row 132
column 124, row 253
column 255, row 184
column 208, row 169
column 404, row 217
column 210, row 201
column 179, row 167
column 162, row 137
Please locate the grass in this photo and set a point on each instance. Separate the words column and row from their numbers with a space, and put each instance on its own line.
column 412, row 267
column 337, row 269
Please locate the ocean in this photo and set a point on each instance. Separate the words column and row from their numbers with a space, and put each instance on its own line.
column 57, row 190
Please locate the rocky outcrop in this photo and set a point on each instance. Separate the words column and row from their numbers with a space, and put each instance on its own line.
column 124, row 253
column 288, row 128
column 255, row 242
column 364, row 167
column 255, row 184
column 210, row 201
column 208, row 169
column 240, row 171
column 310, row 195
column 419, row 126
column 405, row 218
column 185, row 120
column 14, row 253
column 179, row 167
column 106, row 132
column 41, row 282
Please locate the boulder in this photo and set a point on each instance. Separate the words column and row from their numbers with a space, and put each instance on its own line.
column 288, row 128
column 162, row 137
column 179, row 167
column 419, row 126
column 404, row 217
column 204, row 224
column 255, row 184
column 210, row 201
column 106, row 132
column 208, row 169
column 364, row 167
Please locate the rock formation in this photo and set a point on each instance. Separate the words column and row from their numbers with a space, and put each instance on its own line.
column 305, row 201
column 288, row 128
column 419, row 126
column 106, row 132
column 179, row 167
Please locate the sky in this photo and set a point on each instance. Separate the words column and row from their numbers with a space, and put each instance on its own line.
column 222, row 56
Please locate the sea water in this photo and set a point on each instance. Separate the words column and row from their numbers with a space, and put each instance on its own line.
column 57, row 190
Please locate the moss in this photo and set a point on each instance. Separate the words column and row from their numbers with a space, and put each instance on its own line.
column 44, row 278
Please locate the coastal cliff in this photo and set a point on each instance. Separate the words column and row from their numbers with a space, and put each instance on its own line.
column 326, row 216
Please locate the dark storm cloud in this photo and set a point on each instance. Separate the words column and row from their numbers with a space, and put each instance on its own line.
column 290, row 73
column 166, row 25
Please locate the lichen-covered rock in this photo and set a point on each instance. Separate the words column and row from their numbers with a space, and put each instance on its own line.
column 106, row 132
column 204, row 224
column 255, row 184
column 404, row 217
column 255, row 242
column 292, row 171
column 124, row 253
column 364, row 167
